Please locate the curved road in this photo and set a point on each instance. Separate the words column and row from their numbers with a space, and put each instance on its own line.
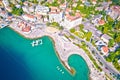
column 110, row 69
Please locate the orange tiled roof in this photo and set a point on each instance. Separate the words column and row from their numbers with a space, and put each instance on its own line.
column 68, row 10
column 105, row 49
column 53, row 7
column 30, row 16
column 93, row 0
column 54, row 10
column 25, row 3
column 38, row 16
column 63, row 5
column 101, row 22
column 26, row 29
column 71, row 18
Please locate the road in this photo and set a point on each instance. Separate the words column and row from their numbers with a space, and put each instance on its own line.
column 109, row 69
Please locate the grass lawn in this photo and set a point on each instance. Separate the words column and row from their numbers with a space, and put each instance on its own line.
column 79, row 34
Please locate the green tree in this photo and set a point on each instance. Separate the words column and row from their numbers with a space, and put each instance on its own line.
column 116, row 64
column 48, row 24
column 62, row 1
column 109, row 19
column 17, row 11
column 111, row 57
column 117, row 26
column 88, row 36
column 81, row 26
column 54, row 24
column 111, row 43
column 117, row 39
column 105, row 30
column 55, row 3
column 11, row 5
column 72, row 30
column 116, row 2
column 42, row 2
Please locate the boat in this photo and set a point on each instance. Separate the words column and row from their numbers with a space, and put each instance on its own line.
column 33, row 43
column 2, row 26
column 37, row 42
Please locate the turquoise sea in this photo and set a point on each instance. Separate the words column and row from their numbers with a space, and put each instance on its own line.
column 20, row 61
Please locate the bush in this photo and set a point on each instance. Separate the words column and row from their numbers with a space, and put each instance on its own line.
column 88, row 36
column 17, row 11
column 72, row 30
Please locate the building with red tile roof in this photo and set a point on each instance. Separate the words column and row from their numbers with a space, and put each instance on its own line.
column 39, row 17
column 55, row 15
column 115, row 11
column 72, row 21
column 105, row 50
column 101, row 22
column 26, row 3
column 21, row 24
column 54, row 10
column 83, row 1
column 63, row 6
column 68, row 10
column 71, row 18
column 24, row 26
column 29, row 17
column 3, row 13
column 42, row 10
column 26, row 29
column 94, row 2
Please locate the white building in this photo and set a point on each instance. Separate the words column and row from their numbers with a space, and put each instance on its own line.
column 72, row 21
column 41, row 10
column 32, row 9
column 3, row 14
column 26, row 3
column 100, row 43
column 45, row 19
column 55, row 15
column 63, row 6
column 29, row 17
column 83, row 1
column 94, row 2
column 119, row 61
column 25, row 9
column 18, row 6
column 115, row 12
column 5, row 2
column 96, row 19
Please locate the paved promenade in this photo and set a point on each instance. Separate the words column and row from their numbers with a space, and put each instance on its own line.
column 63, row 47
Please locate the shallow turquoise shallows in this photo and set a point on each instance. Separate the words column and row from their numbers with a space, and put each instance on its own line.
column 40, row 62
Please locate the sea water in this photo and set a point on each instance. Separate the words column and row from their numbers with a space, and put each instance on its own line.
column 20, row 61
